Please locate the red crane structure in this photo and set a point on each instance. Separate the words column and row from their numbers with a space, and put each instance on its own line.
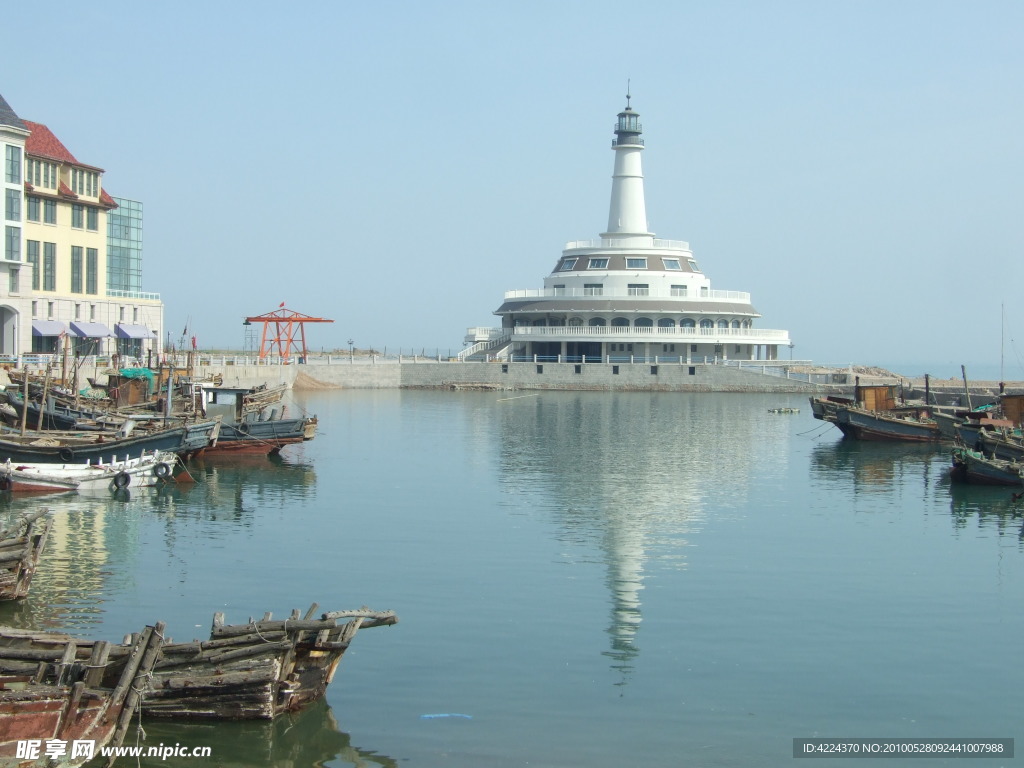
column 286, row 323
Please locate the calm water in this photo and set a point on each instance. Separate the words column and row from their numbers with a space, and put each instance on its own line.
column 594, row 579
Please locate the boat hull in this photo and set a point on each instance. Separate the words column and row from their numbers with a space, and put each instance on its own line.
column 871, row 425
column 974, row 467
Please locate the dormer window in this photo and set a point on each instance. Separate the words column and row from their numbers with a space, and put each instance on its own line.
column 567, row 265
column 598, row 264
column 693, row 265
column 672, row 264
column 636, row 263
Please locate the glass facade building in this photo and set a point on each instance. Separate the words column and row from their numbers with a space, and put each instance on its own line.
column 124, row 247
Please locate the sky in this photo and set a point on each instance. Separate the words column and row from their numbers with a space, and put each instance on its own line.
column 397, row 166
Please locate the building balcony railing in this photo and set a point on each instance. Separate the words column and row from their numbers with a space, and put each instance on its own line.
column 653, row 292
column 656, row 334
column 673, row 245
column 141, row 295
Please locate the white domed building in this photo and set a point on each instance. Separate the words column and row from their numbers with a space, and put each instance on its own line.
column 627, row 296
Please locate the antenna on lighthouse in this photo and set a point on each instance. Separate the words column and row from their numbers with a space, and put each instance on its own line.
column 628, row 97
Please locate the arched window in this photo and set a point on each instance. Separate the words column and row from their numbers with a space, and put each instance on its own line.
column 597, row 321
column 705, row 323
column 644, row 322
column 723, row 323
column 575, row 321
column 735, row 323
column 619, row 322
column 746, row 323
column 687, row 322
column 666, row 322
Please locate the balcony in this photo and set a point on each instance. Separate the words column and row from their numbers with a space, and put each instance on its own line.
column 654, row 334
column 653, row 292
column 670, row 245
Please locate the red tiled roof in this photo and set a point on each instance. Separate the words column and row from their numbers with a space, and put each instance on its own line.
column 43, row 143
column 65, row 191
column 107, row 200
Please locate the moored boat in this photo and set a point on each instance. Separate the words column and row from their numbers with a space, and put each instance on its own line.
column 113, row 474
column 975, row 467
column 68, row 447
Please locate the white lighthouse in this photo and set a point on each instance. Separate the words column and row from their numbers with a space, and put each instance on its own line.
column 628, row 295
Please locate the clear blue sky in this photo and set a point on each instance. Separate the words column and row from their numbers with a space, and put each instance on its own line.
column 396, row 166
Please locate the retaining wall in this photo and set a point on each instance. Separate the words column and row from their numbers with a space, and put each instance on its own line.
column 559, row 376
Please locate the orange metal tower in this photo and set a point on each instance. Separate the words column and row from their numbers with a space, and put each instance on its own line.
column 286, row 323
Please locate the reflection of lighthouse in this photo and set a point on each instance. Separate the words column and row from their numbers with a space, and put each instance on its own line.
column 624, row 548
column 627, row 474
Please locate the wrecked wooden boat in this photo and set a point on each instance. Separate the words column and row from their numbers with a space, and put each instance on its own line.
column 53, row 693
column 257, row 670
column 145, row 471
column 21, row 546
column 252, row 671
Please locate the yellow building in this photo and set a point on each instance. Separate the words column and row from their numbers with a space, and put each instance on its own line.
column 65, row 289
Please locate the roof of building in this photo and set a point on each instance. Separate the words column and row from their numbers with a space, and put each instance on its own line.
column 606, row 306
column 9, row 117
column 43, row 143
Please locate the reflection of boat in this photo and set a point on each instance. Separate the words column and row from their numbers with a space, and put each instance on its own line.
column 21, row 546
column 306, row 739
column 247, row 671
column 147, row 470
column 975, row 467
column 51, row 697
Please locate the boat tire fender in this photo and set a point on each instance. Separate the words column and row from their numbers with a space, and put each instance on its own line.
column 121, row 480
column 66, row 455
column 162, row 470
column 242, row 428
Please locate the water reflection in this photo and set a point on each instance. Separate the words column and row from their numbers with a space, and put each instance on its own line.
column 984, row 507
column 632, row 475
column 879, row 467
column 306, row 739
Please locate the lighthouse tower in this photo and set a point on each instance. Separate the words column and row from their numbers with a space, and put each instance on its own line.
column 627, row 214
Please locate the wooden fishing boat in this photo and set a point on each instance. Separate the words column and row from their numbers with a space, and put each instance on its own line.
column 256, row 670
column 253, row 419
column 873, row 414
column 903, row 425
column 1005, row 444
column 114, row 474
column 21, row 546
column 68, row 447
column 251, row 671
column 975, row 467
column 46, row 697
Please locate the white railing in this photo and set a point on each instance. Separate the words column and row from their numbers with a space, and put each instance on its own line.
column 481, row 333
column 481, row 346
column 574, row 331
column 673, row 245
column 142, row 295
column 655, row 292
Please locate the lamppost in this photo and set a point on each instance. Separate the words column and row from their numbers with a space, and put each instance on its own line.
column 791, row 351
column 350, row 351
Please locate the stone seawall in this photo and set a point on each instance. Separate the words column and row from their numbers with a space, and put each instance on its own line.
column 556, row 376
